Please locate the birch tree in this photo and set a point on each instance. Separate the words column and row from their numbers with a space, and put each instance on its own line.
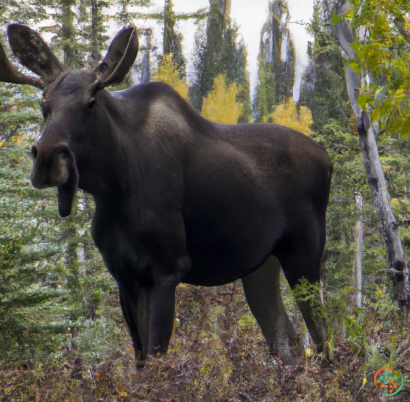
column 356, row 82
column 358, row 253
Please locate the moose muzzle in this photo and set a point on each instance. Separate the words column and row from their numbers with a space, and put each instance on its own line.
column 55, row 167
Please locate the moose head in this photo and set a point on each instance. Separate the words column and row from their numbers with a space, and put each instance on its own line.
column 69, row 106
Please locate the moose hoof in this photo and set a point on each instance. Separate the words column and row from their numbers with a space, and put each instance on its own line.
column 325, row 361
column 285, row 356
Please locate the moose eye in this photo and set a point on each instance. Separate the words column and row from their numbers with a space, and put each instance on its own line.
column 91, row 103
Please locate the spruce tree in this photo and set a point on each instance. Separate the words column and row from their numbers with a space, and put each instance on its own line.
column 172, row 39
column 276, row 59
column 217, row 53
column 50, row 271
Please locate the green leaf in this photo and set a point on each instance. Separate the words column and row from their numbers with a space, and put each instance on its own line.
column 386, row 108
column 354, row 64
column 336, row 18
column 362, row 101
column 405, row 128
column 376, row 113
column 380, row 95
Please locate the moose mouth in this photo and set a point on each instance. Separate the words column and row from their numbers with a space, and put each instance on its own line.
column 58, row 169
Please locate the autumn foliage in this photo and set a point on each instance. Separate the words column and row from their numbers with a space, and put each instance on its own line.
column 221, row 106
column 168, row 72
column 288, row 115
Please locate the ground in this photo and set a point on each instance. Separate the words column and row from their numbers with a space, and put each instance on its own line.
column 217, row 354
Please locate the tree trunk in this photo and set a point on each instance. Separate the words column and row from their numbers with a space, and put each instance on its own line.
column 358, row 253
column 68, row 32
column 172, row 40
column 124, row 15
column 95, row 29
column 146, row 62
column 374, row 172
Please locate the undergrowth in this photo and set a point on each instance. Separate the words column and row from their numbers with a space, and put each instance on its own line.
column 218, row 354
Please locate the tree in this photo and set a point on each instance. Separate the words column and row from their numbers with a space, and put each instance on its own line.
column 381, row 44
column 168, row 72
column 264, row 101
column 30, row 262
column 218, row 51
column 358, row 255
column 144, row 67
column 324, row 92
column 68, row 37
column 323, row 88
column 172, row 40
column 92, row 34
column 289, row 115
column 367, row 134
column 276, row 60
column 210, row 43
column 221, row 106
column 39, row 253
column 126, row 16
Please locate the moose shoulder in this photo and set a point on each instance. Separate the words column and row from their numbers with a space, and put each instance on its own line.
column 178, row 198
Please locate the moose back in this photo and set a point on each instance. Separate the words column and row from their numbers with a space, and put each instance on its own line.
column 178, row 198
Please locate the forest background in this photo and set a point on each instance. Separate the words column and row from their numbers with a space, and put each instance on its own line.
column 62, row 335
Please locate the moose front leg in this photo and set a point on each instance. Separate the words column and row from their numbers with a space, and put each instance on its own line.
column 162, row 303
column 134, row 309
column 161, row 318
column 149, row 314
column 149, row 310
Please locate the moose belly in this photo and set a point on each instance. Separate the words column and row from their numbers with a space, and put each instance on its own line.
column 234, row 215
column 228, row 245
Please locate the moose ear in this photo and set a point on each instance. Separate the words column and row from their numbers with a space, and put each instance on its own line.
column 28, row 46
column 119, row 58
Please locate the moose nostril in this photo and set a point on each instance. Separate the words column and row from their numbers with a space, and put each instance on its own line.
column 34, row 152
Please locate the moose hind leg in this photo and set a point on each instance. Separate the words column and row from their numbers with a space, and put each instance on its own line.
column 262, row 292
column 304, row 262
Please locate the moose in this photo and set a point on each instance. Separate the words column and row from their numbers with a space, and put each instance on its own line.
column 178, row 198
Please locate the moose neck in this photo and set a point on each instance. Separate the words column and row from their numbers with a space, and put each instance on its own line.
column 138, row 135
column 102, row 160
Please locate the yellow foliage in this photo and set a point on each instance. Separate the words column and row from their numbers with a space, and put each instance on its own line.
column 17, row 138
column 287, row 115
column 221, row 106
column 309, row 352
column 167, row 72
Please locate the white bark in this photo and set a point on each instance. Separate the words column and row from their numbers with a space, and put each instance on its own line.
column 146, row 73
column 358, row 254
column 375, row 176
